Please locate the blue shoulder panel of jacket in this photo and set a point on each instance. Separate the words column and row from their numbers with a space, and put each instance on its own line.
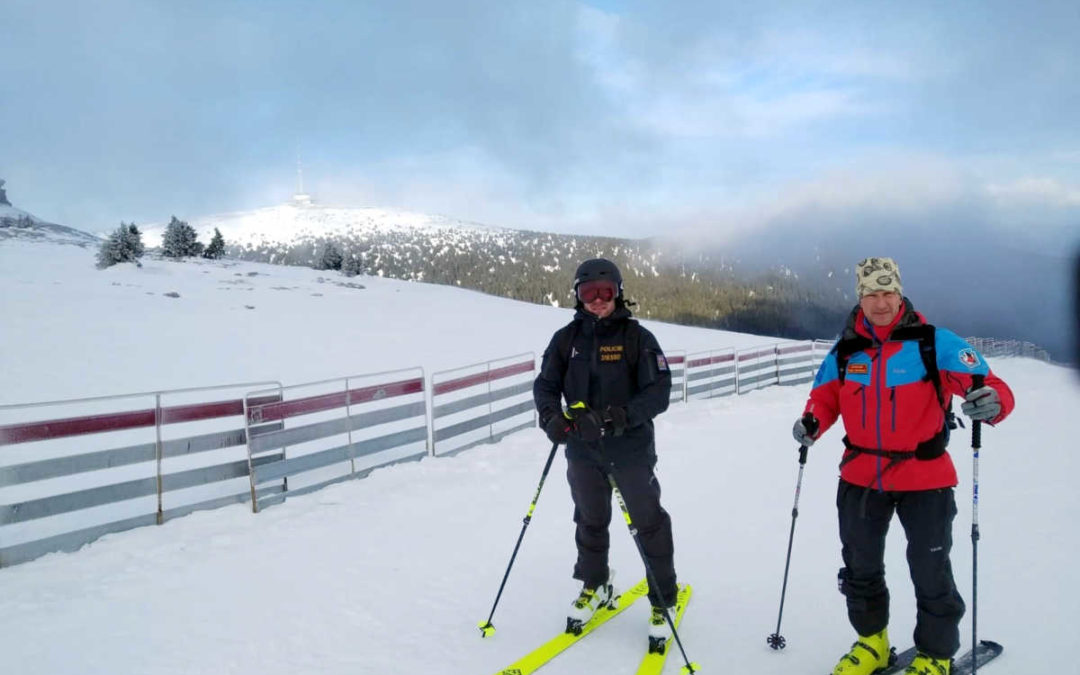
column 956, row 355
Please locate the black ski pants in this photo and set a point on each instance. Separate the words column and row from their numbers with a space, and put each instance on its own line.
column 640, row 490
column 927, row 517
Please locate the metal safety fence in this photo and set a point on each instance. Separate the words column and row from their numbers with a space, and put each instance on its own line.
column 72, row 471
column 331, row 431
column 710, row 374
column 481, row 403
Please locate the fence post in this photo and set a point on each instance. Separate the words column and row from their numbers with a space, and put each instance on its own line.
column 348, row 426
column 251, row 461
column 735, row 355
column 491, row 410
column 158, row 456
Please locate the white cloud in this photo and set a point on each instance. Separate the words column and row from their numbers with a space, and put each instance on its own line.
column 1035, row 190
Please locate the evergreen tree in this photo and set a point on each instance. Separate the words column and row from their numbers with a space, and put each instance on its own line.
column 133, row 238
column 331, row 258
column 3, row 194
column 216, row 249
column 352, row 265
column 122, row 245
column 180, row 240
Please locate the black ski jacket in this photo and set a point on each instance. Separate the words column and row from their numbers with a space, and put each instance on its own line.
column 598, row 369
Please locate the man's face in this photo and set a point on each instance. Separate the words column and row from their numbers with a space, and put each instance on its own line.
column 880, row 307
column 598, row 297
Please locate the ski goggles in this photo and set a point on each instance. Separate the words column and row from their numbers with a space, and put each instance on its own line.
column 590, row 291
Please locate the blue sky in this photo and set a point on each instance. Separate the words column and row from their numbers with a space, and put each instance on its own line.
column 618, row 117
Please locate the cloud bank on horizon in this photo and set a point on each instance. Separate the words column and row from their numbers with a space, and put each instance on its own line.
column 605, row 117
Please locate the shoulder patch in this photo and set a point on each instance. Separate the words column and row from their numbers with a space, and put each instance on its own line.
column 661, row 363
column 969, row 357
column 858, row 368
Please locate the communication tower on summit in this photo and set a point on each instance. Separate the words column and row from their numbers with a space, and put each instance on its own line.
column 301, row 198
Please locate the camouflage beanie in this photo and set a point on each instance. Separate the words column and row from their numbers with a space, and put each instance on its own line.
column 877, row 274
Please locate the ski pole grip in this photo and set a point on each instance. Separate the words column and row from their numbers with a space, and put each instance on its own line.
column 976, row 426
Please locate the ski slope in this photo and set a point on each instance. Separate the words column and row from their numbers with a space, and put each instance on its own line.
column 390, row 574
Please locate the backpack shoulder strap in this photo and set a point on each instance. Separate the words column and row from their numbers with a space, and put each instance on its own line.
column 632, row 346
column 926, row 335
column 566, row 340
column 845, row 349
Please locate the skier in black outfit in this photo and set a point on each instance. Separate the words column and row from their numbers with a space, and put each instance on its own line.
column 608, row 362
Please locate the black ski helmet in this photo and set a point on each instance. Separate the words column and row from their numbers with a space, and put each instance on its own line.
column 598, row 268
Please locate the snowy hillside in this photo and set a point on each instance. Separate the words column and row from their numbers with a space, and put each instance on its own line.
column 390, row 574
column 92, row 325
column 16, row 224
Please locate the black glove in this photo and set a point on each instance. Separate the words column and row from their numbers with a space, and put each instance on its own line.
column 805, row 429
column 588, row 425
column 615, row 416
column 558, row 428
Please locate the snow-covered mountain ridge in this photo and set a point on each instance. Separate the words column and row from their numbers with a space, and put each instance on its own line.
column 288, row 223
column 667, row 283
column 18, row 224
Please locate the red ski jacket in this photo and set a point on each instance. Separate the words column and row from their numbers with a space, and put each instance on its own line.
column 889, row 403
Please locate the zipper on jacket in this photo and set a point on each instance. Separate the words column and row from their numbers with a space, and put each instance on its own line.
column 892, row 399
column 880, row 358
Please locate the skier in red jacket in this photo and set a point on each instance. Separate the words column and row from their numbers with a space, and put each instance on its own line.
column 891, row 378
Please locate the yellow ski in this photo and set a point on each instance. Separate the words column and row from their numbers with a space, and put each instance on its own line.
column 535, row 659
column 653, row 663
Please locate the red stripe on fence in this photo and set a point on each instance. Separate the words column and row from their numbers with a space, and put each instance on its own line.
column 796, row 348
column 708, row 360
column 201, row 411
column 480, row 378
column 675, row 359
column 753, row 355
column 312, row 404
column 380, row 391
column 75, row 426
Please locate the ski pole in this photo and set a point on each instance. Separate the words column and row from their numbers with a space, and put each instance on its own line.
column 976, row 443
column 486, row 627
column 776, row 640
column 650, row 576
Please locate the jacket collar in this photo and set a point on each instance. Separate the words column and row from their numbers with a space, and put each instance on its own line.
column 590, row 324
column 856, row 322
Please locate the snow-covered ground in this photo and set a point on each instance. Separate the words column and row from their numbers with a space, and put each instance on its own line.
column 390, row 574
column 116, row 331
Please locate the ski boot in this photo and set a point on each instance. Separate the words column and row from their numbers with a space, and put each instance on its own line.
column 924, row 664
column 869, row 654
column 587, row 603
column 660, row 629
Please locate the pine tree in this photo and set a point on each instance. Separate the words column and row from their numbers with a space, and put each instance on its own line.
column 122, row 245
column 180, row 240
column 216, row 249
column 133, row 239
column 3, row 194
column 331, row 258
column 352, row 265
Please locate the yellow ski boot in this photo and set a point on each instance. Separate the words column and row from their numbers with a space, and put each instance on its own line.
column 869, row 654
column 924, row 664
